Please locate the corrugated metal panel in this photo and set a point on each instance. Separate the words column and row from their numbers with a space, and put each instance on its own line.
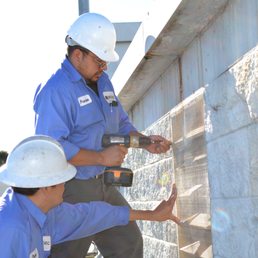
column 159, row 99
column 191, row 69
column 228, row 38
column 206, row 58
column 162, row 37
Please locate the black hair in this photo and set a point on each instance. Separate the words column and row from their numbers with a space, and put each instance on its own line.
column 70, row 49
column 3, row 157
column 25, row 191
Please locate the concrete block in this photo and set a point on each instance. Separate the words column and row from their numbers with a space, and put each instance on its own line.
column 245, row 73
column 225, row 110
column 151, row 182
column 154, row 248
column 138, row 158
column 235, row 227
column 228, row 163
column 233, row 161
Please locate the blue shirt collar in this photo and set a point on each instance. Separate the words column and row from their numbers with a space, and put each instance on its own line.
column 39, row 216
column 73, row 74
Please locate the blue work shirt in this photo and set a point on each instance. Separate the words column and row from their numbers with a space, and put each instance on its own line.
column 25, row 231
column 67, row 109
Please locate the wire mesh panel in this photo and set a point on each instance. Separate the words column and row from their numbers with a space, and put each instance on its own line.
column 191, row 176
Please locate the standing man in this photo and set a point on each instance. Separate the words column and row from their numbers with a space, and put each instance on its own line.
column 77, row 106
column 33, row 216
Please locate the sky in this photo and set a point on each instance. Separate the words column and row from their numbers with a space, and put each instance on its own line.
column 32, row 48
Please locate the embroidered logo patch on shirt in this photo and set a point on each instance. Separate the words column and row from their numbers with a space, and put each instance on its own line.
column 109, row 96
column 84, row 100
column 34, row 253
column 46, row 243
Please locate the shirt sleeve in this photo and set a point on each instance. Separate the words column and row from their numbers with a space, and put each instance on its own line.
column 13, row 243
column 71, row 222
column 54, row 118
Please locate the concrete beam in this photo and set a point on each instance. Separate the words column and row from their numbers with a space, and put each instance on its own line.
column 164, row 34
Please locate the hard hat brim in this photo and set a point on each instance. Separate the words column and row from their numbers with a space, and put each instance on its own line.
column 12, row 179
column 109, row 57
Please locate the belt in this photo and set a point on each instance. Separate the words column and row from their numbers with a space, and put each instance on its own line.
column 99, row 176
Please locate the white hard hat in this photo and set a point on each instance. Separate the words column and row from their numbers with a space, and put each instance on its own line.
column 95, row 33
column 37, row 161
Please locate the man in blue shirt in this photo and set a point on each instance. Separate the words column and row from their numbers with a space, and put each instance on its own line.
column 77, row 106
column 33, row 216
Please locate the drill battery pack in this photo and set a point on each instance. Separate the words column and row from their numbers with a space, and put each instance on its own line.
column 118, row 176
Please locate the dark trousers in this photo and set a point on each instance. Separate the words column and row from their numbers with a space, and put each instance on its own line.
column 117, row 242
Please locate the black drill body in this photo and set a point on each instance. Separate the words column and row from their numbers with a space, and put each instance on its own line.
column 125, row 140
column 119, row 176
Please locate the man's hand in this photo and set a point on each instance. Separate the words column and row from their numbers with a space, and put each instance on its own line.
column 164, row 211
column 113, row 155
column 159, row 145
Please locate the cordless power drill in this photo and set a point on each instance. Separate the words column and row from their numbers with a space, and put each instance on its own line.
column 120, row 176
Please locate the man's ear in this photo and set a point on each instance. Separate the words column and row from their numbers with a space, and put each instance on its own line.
column 77, row 54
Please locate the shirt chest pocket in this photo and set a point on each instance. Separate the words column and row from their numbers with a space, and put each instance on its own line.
column 88, row 114
column 112, row 118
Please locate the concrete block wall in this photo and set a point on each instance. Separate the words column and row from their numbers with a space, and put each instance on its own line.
column 230, row 76
column 222, row 63
column 223, row 41
column 153, row 178
column 185, row 164
column 232, row 143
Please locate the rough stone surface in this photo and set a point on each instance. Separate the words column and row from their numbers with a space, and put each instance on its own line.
column 246, row 76
column 153, row 178
column 214, row 157
column 235, row 228
column 157, row 180
column 232, row 144
column 161, row 249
